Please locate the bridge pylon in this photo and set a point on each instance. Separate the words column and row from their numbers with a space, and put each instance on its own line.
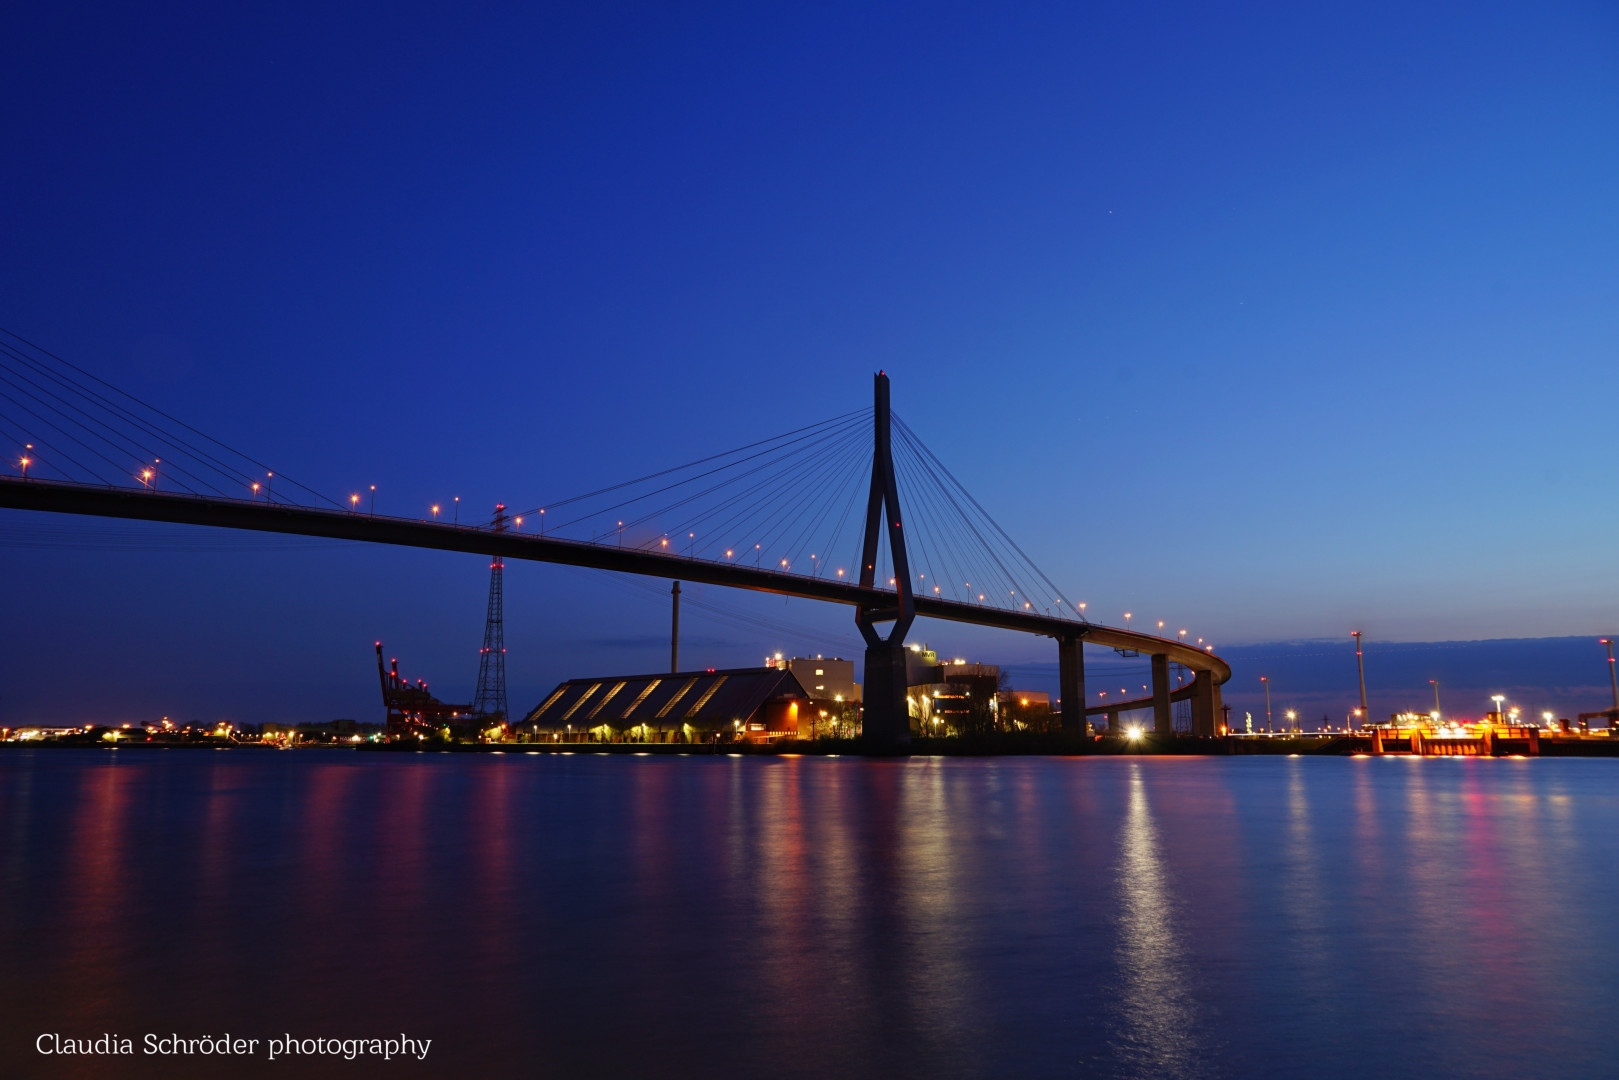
column 887, row 723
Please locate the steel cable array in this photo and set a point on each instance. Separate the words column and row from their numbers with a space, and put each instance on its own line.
column 794, row 503
column 58, row 421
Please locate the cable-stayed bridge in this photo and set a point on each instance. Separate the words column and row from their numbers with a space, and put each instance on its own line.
column 854, row 510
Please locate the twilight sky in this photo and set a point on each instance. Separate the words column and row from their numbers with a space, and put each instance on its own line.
column 1265, row 320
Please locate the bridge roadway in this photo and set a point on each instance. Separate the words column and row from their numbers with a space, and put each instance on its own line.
column 104, row 501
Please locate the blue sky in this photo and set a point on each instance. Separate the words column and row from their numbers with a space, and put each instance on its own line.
column 1268, row 322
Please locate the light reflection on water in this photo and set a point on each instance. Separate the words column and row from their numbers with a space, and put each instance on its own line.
column 1159, row 1031
column 583, row 916
column 1304, row 896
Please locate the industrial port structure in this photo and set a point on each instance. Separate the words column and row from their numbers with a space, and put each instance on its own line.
column 413, row 712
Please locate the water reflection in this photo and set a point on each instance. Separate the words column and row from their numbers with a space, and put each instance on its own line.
column 1156, row 1033
column 1305, row 901
column 98, row 886
column 804, row 917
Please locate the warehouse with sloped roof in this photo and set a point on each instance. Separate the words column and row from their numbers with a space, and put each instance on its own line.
column 739, row 704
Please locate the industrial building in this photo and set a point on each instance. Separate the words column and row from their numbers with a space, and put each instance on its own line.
column 1011, row 700
column 734, row 705
column 953, row 698
column 825, row 679
column 957, row 697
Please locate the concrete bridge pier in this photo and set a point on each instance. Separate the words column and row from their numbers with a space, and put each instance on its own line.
column 1205, row 705
column 887, row 719
column 1071, row 684
column 1163, row 723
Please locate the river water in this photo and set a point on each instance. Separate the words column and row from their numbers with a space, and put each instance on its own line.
column 539, row 915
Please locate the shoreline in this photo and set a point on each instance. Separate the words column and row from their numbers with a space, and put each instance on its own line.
column 1020, row 745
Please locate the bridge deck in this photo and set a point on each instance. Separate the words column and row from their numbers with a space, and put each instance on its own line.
column 101, row 501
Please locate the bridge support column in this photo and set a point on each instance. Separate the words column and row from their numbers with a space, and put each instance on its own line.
column 1071, row 684
column 1162, row 722
column 887, row 723
column 1205, row 705
column 887, row 720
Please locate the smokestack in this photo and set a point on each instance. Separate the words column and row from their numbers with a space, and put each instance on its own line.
column 674, row 632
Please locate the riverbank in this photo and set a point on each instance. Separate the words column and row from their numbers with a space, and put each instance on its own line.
column 1000, row 744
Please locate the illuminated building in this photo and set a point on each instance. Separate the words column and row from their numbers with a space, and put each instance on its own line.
column 734, row 705
column 823, row 678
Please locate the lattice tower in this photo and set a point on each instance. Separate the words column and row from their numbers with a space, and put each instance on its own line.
column 490, row 701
